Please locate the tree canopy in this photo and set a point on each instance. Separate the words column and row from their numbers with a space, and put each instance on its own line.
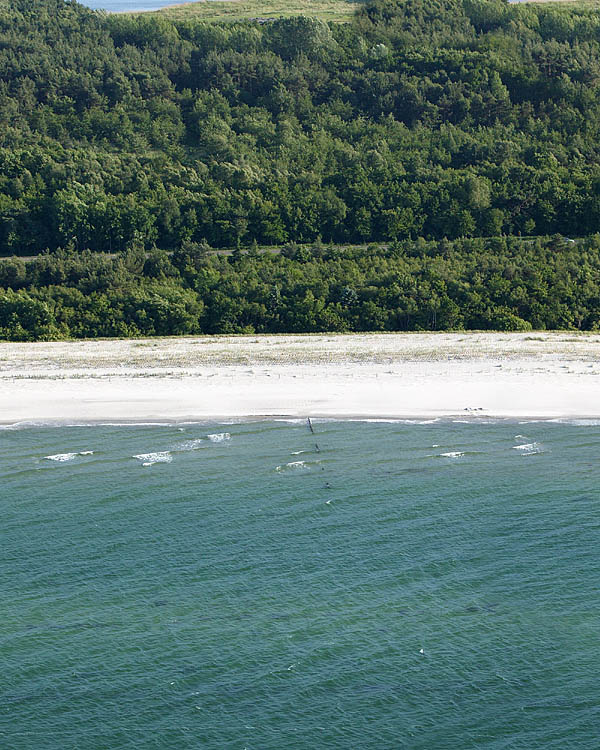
column 131, row 143
column 497, row 284
column 433, row 118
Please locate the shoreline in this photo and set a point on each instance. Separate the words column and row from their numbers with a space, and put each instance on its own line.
column 579, row 421
column 415, row 376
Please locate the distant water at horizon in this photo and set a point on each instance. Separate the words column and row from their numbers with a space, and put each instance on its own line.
column 130, row 6
column 423, row 585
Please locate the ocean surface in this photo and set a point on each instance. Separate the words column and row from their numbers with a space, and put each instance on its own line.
column 256, row 586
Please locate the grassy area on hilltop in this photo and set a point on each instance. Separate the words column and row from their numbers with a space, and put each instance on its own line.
column 336, row 11
column 577, row 5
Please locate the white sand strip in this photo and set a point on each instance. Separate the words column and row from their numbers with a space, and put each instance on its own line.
column 539, row 375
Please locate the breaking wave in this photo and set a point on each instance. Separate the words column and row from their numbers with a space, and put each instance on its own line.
column 158, row 457
column 529, row 449
column 61, row 457
column 219, row 437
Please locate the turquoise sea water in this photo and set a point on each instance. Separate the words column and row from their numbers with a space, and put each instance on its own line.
column 247, row 591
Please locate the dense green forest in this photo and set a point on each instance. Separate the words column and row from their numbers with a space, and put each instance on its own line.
column 501, row 284
column 432, row 118
column 130, row 143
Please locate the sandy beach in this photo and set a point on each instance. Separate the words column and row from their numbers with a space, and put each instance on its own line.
column 533, row 375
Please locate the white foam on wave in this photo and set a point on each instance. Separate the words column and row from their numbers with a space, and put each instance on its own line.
column 529, row 449
column 400, row 420
column 219, row 437
column 380, row 420
column 122, row 424
column 21, row 425
column 292, row 466
column 29, row 424
column 157, row 457
column 577, row 422
column 61, row 457
column 190, row 445
column 452, row 454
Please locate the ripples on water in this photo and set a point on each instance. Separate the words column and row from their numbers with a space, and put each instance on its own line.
column 374, row 585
